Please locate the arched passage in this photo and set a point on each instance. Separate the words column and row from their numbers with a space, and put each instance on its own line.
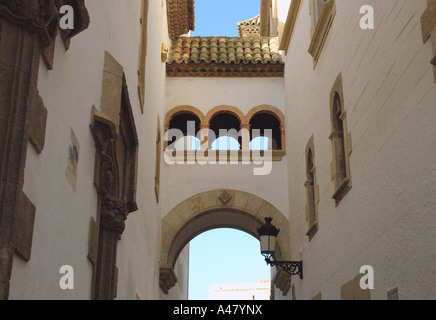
column 218, row 209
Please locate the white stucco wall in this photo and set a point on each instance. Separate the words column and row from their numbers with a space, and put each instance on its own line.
column 63, row 214
column 180, row 182
column 207, row 93
column 387, row 219
column 283, row 9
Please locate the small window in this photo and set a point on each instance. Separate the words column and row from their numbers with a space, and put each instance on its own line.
column 338, row 138
column 312, row 193
column 322, row 14
column 158, row 160
column 315, row 12
column 341, row 143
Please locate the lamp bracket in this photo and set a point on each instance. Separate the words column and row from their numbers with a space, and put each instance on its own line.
column 294, row 268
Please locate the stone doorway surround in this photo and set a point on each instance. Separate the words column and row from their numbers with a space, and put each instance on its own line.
column 219, row 209
column 27, row 33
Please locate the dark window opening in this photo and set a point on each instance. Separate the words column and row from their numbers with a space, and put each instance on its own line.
column 189, row 126
column 264, row 121
column 226, row 128
column 339, row 142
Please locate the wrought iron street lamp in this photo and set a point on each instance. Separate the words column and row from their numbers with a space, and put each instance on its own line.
column 268, row 234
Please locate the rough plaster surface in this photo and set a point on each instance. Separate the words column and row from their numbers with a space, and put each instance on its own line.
column 386, row 220
column 114, row 27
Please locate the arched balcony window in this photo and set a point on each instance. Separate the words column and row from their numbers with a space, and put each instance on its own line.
column 265, row 132
column 226, row 130
column 183, row 131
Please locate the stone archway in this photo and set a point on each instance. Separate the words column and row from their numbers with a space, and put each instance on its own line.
column 218, row 209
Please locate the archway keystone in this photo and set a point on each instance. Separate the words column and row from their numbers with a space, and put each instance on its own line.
column 218, row 209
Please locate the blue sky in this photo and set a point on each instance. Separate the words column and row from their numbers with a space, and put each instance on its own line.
column 220, row 17
column 223, row 256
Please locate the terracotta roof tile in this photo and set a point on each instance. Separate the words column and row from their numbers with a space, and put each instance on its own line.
column 248, row 50
column 181, row 17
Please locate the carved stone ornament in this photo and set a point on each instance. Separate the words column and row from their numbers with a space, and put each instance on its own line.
column 115, row 176
column 42, row 16
column 81, row 19
column 113, row 214
column 27, row 28
column 107, row 174
column 225, row 197
column 167, row 279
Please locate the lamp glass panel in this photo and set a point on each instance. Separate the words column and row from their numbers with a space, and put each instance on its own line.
column 268, row 244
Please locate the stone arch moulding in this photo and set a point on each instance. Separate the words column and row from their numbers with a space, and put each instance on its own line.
column 267, row 109
column 177, row 111
column 182, row 109
column 218, row 209
column 244, row 119
column 225, row 109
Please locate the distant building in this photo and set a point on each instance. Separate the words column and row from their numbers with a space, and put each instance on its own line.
column 260, row 290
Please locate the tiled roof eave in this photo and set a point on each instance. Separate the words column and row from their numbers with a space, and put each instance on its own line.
column 212, row 49
column 253, row 21
column 240, row 62
column 223, row 70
